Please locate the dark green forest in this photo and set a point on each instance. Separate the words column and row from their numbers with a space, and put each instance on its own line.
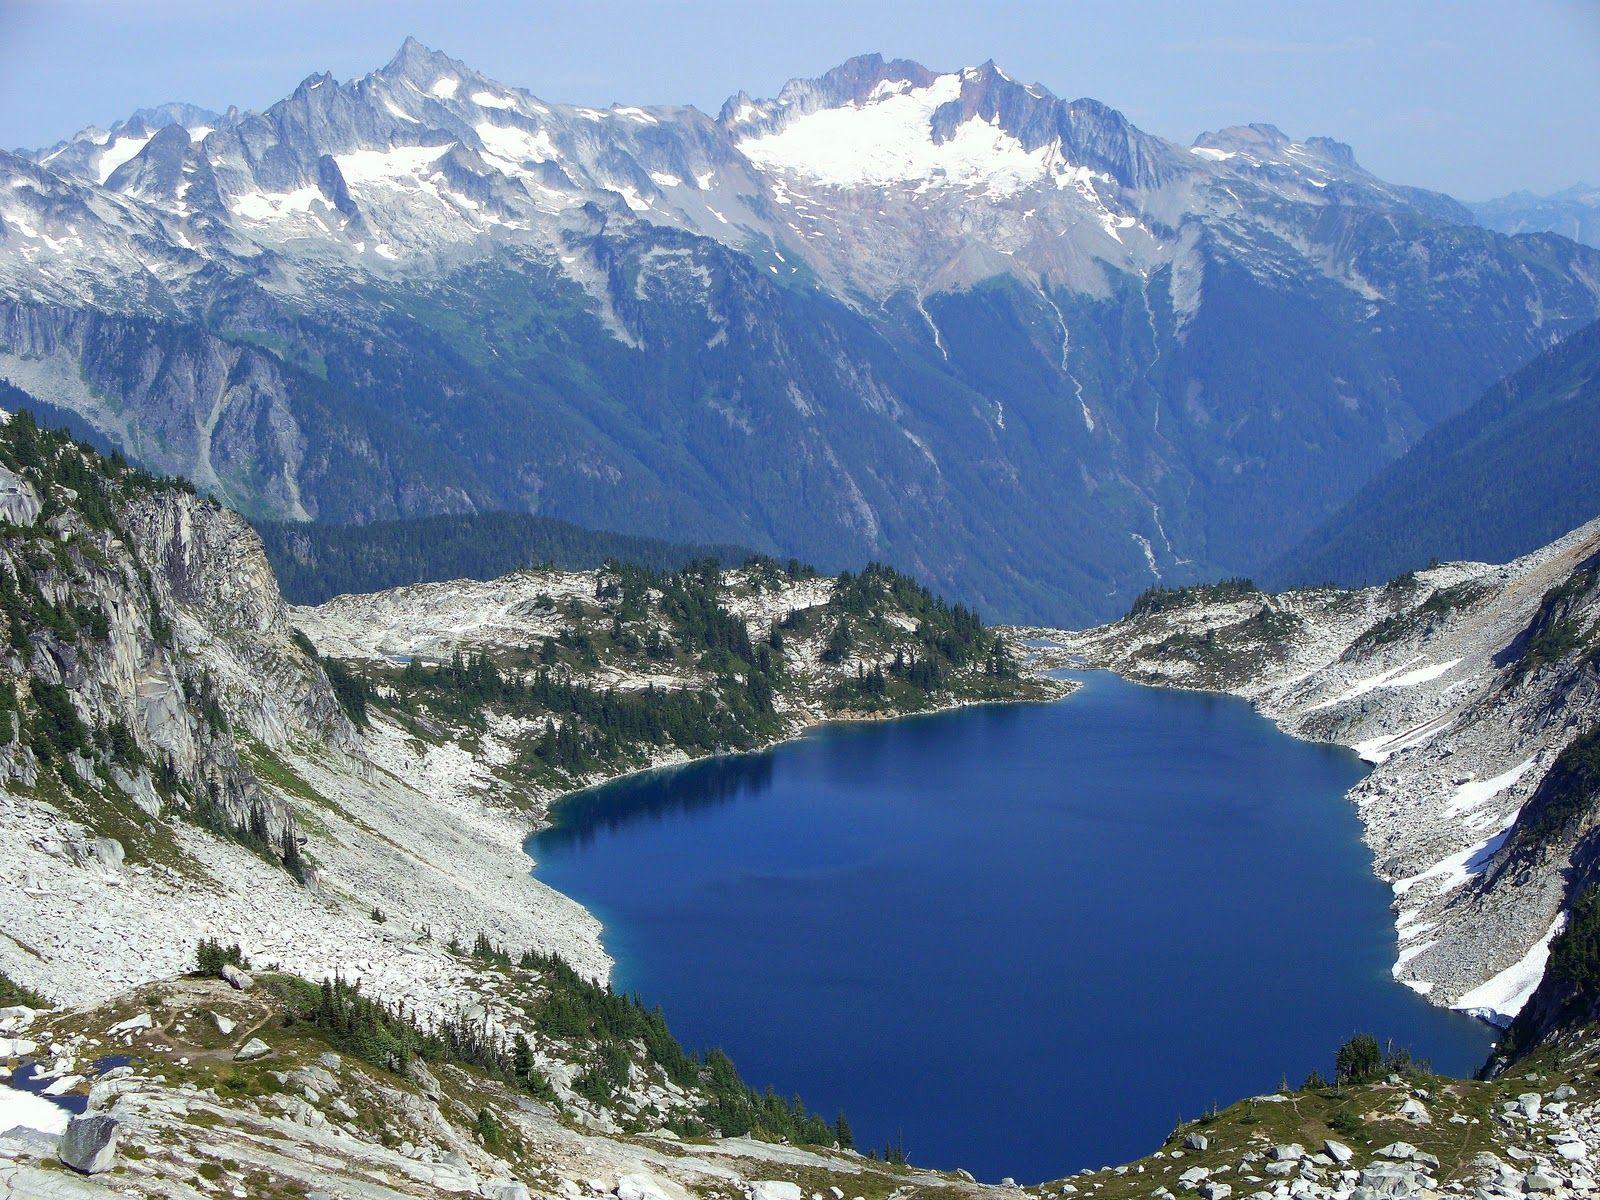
column 1512, row 473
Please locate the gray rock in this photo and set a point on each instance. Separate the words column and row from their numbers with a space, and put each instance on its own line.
column 1564, row 1092
column 1414, row 1110
column 1288, row 1152
column 1193, row 1178
column 1195, row 1141
column 224, row 1025
column 1528, row 1103
column 1541, row 1179
column 1212, row 1190
column 90, row 1144
column 237, row 978
column 506, row 1189
column 254, row 1048
column 1388, row 1179
column 1400, row 1150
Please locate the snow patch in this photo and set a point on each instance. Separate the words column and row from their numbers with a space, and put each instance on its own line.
column 386, row 166
column 31, row 1112
column 1471, row 794
column 1499, row 999
column 117, row 153
column 271, row 206
column 1394, row 677
column 445, row 87
column 518, row 145
column 889, row 139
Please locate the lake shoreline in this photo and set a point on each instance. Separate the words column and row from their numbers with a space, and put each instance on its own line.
column 1000, row 859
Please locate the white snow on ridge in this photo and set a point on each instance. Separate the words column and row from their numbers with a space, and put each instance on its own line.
column 1500, row 998
column 490, row 100
column 384, row 166
column 890, row 140
column 271, row 206
column 445, row 87
column 517, row 145
column 119, row 152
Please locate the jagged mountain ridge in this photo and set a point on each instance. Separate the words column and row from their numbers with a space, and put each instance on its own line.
column 821, row 324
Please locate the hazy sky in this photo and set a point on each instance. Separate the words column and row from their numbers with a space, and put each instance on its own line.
column 1474, row 97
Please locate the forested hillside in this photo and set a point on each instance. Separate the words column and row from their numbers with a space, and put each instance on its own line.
column 1513, row 472
column 315, row 562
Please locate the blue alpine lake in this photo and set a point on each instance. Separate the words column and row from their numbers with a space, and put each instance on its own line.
column 1023, row 938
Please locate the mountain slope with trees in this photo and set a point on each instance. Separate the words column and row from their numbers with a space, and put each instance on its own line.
column 1042, row 362
column 1513, row 472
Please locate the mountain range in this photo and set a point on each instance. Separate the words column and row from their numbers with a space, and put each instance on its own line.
column 1573, row 212
column 1008, row 342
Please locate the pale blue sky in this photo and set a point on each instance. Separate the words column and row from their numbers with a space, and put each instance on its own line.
column 1474, row 97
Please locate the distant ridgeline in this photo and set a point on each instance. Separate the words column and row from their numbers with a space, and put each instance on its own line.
column 315, row 562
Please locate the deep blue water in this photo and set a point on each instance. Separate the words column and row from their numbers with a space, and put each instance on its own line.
column 1028, row 938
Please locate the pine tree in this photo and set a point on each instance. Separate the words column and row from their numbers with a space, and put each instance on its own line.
column 842, row 1132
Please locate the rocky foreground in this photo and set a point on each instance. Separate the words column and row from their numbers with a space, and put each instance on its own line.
column 198, row 1088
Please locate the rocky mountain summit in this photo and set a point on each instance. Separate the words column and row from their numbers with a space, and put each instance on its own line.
column 1471, row 688
column 883, row 293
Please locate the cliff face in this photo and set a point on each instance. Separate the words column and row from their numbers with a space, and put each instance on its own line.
column 176, row 397
column 1462, row 685
column 145, row 636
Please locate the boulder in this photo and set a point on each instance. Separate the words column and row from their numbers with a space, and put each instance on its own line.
column 1414, row 1110
column 774, row 1189
column 237, row 978
column 1195, row 1141
column 1213, row 1190
column 1287, row 1152
column 89, row 1145
column 1541, row 1179
column 254, row 1048
column 1528, row 1103
column 225, row 1025
column 1338, row 1152
column 1400, row 1150
column 506, row 1189
column 1564, row 1092
column 1388, row 1179
column 142, row 1021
